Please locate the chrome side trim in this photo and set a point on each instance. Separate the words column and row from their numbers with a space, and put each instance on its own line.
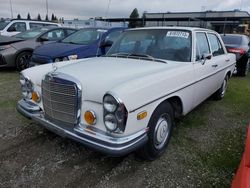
column 131, row 111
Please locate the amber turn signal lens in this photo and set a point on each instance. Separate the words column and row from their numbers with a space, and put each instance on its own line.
column 90, row 117
column 35, row 96
column 142, row 115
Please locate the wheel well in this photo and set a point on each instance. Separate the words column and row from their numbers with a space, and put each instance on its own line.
column 27, row 50
column 229, row 74
column 176, row 103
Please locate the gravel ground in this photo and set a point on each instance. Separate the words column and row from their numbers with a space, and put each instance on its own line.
column 204, row 151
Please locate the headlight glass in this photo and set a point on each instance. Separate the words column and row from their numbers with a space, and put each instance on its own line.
column 26, row 87
column 4, row 47
column 115, row 114
column 110, row 122
column 110, row 104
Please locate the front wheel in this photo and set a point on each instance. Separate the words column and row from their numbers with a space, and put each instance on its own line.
column 220, row 93
column 23, row 60
column 160, row 128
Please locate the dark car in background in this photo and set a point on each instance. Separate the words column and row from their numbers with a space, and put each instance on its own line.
column 240, row 46
column 16, row 51
column 87, row 42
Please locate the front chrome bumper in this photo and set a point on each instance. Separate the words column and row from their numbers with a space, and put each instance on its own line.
column 87, row 135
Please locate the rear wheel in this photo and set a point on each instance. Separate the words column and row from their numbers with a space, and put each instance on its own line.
column 220, row 93
column 160, row 128
column 23, row 60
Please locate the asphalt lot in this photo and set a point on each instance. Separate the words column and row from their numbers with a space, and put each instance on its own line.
column 204, row 151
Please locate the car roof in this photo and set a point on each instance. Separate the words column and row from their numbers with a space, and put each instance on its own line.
column 236, row 35
column 175, row 27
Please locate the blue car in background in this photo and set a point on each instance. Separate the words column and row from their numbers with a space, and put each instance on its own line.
column 87, row 42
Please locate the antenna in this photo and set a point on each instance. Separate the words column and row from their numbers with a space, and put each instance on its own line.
column 47, row 8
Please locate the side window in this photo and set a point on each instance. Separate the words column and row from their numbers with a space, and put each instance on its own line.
column 54, row 35
column 113, row 36
column 202, row 46
column 216, row 46
column 18, row 26
column 35, row 25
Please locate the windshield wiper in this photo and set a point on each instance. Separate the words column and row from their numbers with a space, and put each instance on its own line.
column 137, row 56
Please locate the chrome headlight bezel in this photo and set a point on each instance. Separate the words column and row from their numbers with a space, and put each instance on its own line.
column 114, row 113
column 26, row 87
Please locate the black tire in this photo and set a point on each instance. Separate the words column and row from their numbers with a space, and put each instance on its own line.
column 23, row 60
column 220, row 93
column 160, row 129
column 243, row 69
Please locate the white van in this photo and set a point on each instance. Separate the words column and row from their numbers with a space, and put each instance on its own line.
column 13, row 27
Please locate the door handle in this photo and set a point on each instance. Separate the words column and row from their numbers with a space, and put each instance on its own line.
column 215, row 66
column 227, row 60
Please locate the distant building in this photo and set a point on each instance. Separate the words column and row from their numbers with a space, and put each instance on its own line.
column 221, row 21
column 76, row 23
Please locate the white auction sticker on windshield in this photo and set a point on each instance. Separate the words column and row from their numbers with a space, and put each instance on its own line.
column 181, row 34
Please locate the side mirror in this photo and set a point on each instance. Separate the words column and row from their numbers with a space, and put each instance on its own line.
column 43, row 39
column 205, row 57
column 106, row 44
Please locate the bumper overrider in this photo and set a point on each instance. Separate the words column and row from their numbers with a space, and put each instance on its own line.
column 87, row 135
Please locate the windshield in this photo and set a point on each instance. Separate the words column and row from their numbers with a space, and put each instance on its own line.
column 84, row 36
column 31, row 33
column 3, row 24
column 231, row 39
column 163, row 44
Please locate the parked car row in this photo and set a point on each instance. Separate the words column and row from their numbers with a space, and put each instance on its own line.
column 54, row 44
column 17, row 51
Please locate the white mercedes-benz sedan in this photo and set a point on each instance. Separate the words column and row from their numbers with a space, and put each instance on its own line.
column 128, row 99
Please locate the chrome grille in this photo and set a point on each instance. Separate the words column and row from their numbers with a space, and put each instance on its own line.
column 60, row 100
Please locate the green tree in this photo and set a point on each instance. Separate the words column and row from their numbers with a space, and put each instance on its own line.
column 47, row 18
column 134, row 15
column 18, row 16
column 52, row 17
column 39, row 17
column 28, row 16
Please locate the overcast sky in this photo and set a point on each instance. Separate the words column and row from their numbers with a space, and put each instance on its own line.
column 84, row 9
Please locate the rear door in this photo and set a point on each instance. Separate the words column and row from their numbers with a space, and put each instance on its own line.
column 206, row 82
column 219, row 58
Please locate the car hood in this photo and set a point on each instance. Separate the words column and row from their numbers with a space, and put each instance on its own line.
column 4, row 40
column 58, row 49
column 100, row 75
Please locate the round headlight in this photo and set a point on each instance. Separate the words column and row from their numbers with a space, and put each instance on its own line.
column 109, row 103
column 119, row 114
column 57, row 59
column 110, row 122
column 65, row 59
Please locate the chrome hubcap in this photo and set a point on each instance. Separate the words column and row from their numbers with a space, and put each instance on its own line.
column 224, row 87
column 161, row 132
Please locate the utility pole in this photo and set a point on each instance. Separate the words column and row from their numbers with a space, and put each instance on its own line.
column 107, row 11
column 47, row 8
column 11, row 11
